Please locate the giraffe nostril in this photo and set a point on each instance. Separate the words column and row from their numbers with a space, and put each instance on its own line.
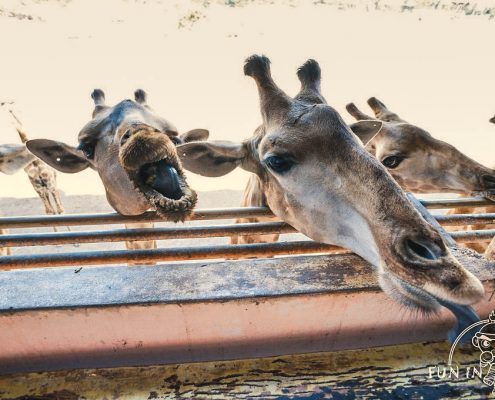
column 488, row 181
column 125, row 137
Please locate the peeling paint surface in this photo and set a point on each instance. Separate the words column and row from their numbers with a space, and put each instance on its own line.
column 393, row 372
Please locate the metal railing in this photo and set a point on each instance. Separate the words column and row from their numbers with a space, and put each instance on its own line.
column 191, row 231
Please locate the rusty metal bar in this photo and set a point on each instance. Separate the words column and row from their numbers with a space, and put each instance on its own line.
column 466, row 219
column 115, row 218
column 199, row 215
column 473, row 236
column 457, row 202
column 171, row 254
column 120, row 235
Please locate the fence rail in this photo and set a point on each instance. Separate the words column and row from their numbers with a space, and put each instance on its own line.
column 193, row 231
column 170, row 254
column 115, row 218
column 199, row 215
column 120, row 235
column 226, row 230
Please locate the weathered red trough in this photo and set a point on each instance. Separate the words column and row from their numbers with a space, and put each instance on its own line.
column 115, row 315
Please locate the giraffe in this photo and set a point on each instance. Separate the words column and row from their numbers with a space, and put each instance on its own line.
column 13, row 157
column 317, row 176
column 43, row 178
column 417, row 161
column 422, row 164
column 134, row 152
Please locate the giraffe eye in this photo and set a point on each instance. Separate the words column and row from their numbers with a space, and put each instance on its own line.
column 279, row 164
column 392, row 161
column 87, row 149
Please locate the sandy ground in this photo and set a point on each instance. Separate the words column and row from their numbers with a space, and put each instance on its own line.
column 430, row 61
column 98, row 204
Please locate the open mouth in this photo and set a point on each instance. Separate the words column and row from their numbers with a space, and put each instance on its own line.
column 164, row 185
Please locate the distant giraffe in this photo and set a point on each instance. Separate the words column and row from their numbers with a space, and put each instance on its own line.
column 42, row 177
column 13, row 157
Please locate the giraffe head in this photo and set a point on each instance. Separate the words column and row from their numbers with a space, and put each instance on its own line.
column 134, row 152
column 417, row 161
column 14, row 157
column 317, row 176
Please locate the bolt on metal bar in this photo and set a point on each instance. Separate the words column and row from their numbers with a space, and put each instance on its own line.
column 171, row 254
column 120, row 235
column 473, row 236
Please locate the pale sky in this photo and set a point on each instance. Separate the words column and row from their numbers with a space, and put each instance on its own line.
column 434, row 68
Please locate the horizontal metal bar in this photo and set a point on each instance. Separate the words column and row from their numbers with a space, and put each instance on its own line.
column 473, row 236
column 466, row 219
column 457, row 202
column 115, row 218
column 187, row 232
column 120, row 235
column 200, row 214
column 171, row 254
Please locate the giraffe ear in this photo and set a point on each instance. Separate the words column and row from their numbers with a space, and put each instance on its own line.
column 215, row 158
column 62, row 157
column 195, row 135
column 366, row 130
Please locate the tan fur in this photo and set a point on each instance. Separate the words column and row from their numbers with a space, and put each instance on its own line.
column 121, row 143
column 317, row 177
column 430, row 165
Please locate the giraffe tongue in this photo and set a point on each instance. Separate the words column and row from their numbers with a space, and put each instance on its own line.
column 465, row 316
column 163, row 178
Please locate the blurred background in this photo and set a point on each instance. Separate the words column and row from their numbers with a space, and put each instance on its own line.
column 431, row 62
